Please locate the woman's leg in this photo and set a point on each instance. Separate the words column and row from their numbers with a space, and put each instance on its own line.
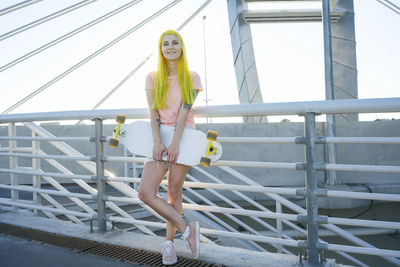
column 153, row 173
column 177, row 175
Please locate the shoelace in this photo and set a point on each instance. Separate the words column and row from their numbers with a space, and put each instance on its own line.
column 167, row 249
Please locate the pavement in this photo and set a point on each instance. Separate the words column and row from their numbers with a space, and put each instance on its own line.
column 17, row 252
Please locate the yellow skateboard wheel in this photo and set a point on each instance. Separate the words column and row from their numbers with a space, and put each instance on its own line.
column 205, row 162
column 121, row 119
column 113, row 142
column 212, row 135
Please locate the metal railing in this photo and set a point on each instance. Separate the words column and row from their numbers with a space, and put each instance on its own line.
column 221, row 220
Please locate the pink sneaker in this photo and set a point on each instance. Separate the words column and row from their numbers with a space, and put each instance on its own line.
column 193, row 231
column 168, row 253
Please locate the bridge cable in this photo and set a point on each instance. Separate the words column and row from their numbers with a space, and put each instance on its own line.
column 390, row 5
column 68, row 35
column 17, row 6
column 45, row 19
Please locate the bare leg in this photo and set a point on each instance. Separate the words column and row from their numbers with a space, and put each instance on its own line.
column 177, row 175
column 153, row 173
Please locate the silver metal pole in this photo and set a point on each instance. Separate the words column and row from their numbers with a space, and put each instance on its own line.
column 100, row 174
column 311, row 187
column 12, row 131
column 205, row 60
column 330, row 129
column 36, row 165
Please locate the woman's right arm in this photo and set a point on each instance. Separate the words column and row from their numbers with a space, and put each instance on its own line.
column 159, row 149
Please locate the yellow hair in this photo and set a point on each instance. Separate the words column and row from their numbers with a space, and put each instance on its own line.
column 184, row 76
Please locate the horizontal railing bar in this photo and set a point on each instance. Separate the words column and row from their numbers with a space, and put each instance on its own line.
column 258, row 238
column 361, row 140
column 27, row 138
column 258, row 140
column 375, row 105
column 262, row 214
column 363, row 250
column 362, row 195
column 249, row 164
column 51, row 174
column 363, row 223
column 50, row 192
column 258, row 164
column 27, row 155
column 39, row 207
column 231, row 187
column 357, row 168
column 124, row 159
column 263, row 239
column 17, row 149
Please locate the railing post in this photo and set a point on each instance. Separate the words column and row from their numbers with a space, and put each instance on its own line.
column 36, row 178
column 100, row 174
column 12, row 144
column 311, row 189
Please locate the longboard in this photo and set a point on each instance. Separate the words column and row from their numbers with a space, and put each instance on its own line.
column 195, row 147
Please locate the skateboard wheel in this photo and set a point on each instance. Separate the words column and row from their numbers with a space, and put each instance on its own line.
column 205, row 162
column 113, row 142
column 212, row 135
column 121, row 119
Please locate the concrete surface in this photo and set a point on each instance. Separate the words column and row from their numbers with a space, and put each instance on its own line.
column 17, row 252
column 208, row 252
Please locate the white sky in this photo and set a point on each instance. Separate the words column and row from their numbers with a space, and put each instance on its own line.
column 289, row 56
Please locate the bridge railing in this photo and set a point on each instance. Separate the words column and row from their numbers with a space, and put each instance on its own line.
column 313, row 246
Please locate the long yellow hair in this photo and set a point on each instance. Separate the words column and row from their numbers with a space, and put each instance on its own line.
column 184, row 76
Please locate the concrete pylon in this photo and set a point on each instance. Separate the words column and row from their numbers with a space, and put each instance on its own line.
column 244, row 60
column 344, row 56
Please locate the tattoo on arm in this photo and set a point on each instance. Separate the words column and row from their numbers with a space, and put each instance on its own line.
column 189, row 106
column 158, row 122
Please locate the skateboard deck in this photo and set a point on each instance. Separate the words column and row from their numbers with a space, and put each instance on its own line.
column 195, row 146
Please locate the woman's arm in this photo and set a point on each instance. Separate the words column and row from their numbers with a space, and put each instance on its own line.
column 173, row 149
column 159, row 150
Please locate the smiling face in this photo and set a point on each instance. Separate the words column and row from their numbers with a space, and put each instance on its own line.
column 170, row 47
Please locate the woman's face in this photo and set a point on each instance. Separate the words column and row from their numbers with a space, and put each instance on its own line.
column 170, row 47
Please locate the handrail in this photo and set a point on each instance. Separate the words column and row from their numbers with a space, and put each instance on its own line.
column 233, row 210
column 372, row 105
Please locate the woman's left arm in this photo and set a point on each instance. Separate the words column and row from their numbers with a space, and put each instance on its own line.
column 173, row 149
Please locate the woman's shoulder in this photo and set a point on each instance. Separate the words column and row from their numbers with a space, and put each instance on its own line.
column 151, row 75
column 194, row 74
column 150, row 78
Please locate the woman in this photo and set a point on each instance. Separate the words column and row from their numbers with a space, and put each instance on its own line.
column 171, row 92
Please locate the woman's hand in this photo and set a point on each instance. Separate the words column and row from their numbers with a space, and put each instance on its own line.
column 173, row 151
column 159, row 151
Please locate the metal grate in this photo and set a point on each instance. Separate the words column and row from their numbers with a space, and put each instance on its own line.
column 140, row 257
column 136, row 256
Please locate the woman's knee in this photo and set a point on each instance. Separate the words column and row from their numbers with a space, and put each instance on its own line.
column 145, row 195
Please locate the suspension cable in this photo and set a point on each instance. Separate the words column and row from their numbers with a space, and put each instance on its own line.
column 45, row 19
column 146, row 59
column 68, row 35
column 18, row 6
column 79, row 64
column 390, row 5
